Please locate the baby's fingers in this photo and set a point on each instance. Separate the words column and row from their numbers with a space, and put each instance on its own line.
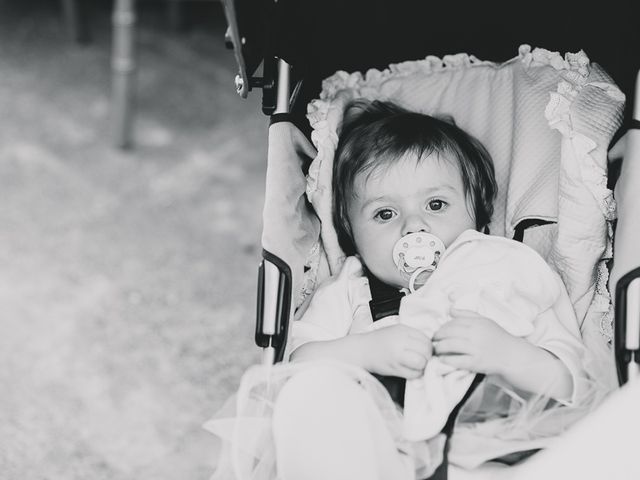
column 416, row 335
column 409, row 373
column 453, row 328
column 414, row 360
column 421, row 346
column 463, row 312
column 464, row 362
column 452, row 346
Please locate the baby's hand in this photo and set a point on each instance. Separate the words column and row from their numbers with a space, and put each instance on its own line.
column 397, row 350
column 472, row 342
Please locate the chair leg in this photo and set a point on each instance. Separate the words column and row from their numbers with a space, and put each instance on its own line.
column 75, row 13
column 175, row 15
column 123, row 68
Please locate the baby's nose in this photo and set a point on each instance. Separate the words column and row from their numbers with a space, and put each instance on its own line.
column 415, row 223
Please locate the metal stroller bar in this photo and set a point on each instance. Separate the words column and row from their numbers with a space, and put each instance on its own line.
column 274, row 275
column 627, row 292
column 250, row 39
column 234, row 41
column 284, row 89
column 274, row 303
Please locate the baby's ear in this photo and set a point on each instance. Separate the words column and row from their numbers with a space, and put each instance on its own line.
column 445, row 117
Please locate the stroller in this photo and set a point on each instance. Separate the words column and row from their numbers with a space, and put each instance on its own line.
column 563, row 110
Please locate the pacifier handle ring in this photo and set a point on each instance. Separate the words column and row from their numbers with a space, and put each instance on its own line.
column 414, row 277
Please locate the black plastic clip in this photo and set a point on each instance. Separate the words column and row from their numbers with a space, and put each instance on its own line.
column 276, row 338
column 625, row 356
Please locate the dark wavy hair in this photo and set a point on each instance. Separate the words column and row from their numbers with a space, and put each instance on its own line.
column 375, row 134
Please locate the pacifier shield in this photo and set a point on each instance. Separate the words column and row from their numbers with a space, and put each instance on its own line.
column 418, row 250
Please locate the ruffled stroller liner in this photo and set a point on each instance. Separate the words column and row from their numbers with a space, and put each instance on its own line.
column 547, row 121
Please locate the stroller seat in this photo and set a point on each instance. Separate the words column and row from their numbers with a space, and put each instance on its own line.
column 547, row 122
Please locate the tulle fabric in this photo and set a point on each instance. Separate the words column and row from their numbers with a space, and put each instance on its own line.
column 496, row 424
column 244, row 423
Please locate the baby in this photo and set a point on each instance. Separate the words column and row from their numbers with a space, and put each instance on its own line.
column 411, row 193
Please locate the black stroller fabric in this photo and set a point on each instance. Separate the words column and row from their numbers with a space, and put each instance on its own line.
column 319, row 37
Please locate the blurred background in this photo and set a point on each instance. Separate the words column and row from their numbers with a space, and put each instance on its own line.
column 127, row 277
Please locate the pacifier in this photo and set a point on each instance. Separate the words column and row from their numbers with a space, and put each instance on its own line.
column 416, row 256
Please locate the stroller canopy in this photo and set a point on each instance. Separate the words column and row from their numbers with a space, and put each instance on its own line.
column 320, row 37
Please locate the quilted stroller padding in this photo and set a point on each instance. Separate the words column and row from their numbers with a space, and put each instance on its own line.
column 547, row 121
column 291, row 229
column 503, row 105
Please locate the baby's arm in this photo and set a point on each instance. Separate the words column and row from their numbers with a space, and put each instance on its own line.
column 478, row 344
column 323, row 330
column 396, row 350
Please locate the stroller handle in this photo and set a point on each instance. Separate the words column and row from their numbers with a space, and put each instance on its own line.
column 273, row 307
column 627, row 335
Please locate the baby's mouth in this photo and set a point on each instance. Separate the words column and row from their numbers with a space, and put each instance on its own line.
column 416, row 256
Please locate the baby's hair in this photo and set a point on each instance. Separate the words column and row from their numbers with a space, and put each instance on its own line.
column 375, row 134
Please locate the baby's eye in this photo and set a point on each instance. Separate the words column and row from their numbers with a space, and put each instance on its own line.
column 436, row 205
column 384, row 215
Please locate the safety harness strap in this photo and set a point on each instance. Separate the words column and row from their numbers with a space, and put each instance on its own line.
column 442, row 470
column 385, row 301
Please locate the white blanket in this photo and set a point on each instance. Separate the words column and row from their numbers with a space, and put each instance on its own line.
column 504, row 281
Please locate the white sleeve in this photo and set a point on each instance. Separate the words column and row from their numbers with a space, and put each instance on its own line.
column 330, row 312
column 556, row 330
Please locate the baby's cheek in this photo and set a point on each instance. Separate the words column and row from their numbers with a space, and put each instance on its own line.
column 381, row 270
column 394, row 277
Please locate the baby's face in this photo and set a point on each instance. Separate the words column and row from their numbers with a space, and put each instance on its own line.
column 407, row 197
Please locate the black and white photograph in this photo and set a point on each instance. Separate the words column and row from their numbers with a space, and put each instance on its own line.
column 319, row 240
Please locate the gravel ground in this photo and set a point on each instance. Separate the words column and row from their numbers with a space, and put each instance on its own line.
column 127, row 279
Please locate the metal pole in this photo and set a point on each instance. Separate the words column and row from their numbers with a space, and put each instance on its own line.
column 76, row 19
column 123, row 68
column 268, row 356
column 632, row 340
column 270, row 308
column 633, row 292
column 175, row 14
column 636, row 103
column 284, row 88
